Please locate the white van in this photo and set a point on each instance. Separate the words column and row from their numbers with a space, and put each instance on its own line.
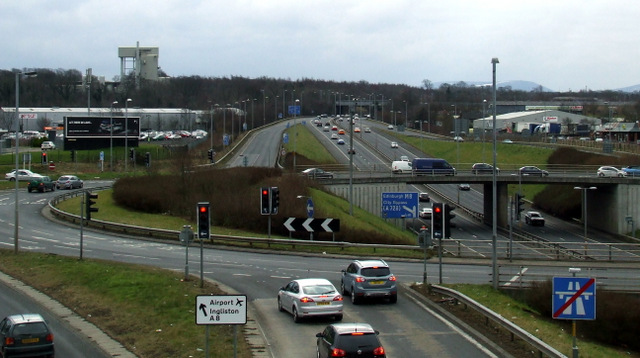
column 400, row 166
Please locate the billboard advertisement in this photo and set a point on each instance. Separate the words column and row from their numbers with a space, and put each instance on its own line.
column 101, row 127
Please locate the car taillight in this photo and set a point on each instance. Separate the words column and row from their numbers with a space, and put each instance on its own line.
column 337, row 298
column 378, row 351
column 306, row 299
column 9, row 341
column 49, row 337
column 392, row 278
column 337, row 352
column 360, row 279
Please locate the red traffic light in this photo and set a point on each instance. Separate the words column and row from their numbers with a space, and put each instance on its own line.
column 203, row 209
column 265, row 192
column 437, row 209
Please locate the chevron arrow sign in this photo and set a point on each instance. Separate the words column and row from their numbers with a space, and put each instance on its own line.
column 312, row 225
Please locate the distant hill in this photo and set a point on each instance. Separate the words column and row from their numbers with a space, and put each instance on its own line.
column 629, row 89
column 517, row 85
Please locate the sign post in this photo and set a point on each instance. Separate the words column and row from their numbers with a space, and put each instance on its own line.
column 574, row 298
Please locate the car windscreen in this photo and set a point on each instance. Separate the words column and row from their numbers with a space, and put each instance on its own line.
column 375, row 271
column 318, row 290
column 353, row 343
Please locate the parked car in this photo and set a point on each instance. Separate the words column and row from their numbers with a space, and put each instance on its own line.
column 534, row 171
column 533, row 218
column 23, row 175
column 464, row 187
column 424, row 197
column 69, row 182
column 608, row 171
column 632, row 170
column 483, row 168
column 349, row 340
column 23, row 335
column 368, row 278
column 310, row 297
column 47, row 145
column 394, row 144
column 317, row 173
column 425, row 213
column 41, row 184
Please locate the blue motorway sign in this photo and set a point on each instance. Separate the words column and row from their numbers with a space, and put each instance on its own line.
column 225, row 139
column 574, row 298
column 398, row 205
column 294, row 110
column 285, row 138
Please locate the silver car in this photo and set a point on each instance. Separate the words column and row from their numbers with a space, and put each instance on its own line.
column 608, row 171
column 69, row 182
column 23, row 174
column 369, row 278
column 310, row 297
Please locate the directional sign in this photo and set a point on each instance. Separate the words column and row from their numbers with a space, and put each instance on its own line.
column 574, row 298
column 398, row 205
column 285, row 138
column 226, row 309
column 312, row 225
column 310, row 210
column 225, row 139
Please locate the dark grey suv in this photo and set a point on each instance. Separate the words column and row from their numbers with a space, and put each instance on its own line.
column 349, row 340
column 369, row 278
column 25, row 335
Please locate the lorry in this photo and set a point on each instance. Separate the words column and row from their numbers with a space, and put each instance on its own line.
column 432, row 166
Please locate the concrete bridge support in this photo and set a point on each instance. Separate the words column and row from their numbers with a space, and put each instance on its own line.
column 502, row 206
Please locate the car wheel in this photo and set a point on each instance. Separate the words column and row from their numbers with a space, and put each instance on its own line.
column 296, row 317
column 600, row 175
column 280, row 305
column 53, row 188
column 338, row 317
column 29, row 190
column 343, row 289
column 12, row 179
column 393, row 299
column 354, row 298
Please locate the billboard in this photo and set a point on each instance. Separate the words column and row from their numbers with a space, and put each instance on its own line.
column 101, row 127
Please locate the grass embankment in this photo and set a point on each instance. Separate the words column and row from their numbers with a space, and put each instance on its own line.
column 150, row 311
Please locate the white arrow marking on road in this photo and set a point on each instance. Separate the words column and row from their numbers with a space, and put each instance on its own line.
column 325, row 225
column 287, row 224
column 306, row 225
column 412, row 210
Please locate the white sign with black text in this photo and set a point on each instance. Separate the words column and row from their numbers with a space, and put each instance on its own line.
column 225, row 309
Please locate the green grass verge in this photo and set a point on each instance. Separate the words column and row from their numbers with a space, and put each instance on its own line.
column 114, row 296
column 308, row 145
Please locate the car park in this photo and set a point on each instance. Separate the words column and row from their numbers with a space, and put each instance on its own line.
column 533, row 171
column 425, row 213
column 464, row 187
column 26, row 335
column 483, row 168
column 632, row 170
column 47, row 145
column 608, row 171
column 368, row 278
column 41, row 184
column 349, row 340
column 534, row 218
column 69, row 182
column 310, row 297
column 394, row 144
column 23, row 175
column 424, row 197
column 317, row 173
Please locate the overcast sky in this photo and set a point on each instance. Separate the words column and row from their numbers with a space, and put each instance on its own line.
column 565, row 45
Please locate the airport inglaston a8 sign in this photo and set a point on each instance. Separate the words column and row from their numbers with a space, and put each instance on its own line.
column 223, row 309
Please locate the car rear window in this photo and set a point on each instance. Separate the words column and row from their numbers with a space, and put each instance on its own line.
column 30, row 329
column 365, row 342
column 318, row 290
column 375, row 271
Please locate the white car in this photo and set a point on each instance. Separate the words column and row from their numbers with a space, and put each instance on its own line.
column 394, row 144
column 390, row 127
column 310, row 297
column 425, row 213
column 458, row 139
column 47, row 145
column 607, row 171
column 23, row 174
column 534, row 218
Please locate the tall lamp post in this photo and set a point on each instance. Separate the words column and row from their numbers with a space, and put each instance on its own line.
column 264, row 108
column 17, row 126
column 584, row 211
column 111, row 137
column 295, row 134
column 126, row 132
column 494, row 216
column 484, row 109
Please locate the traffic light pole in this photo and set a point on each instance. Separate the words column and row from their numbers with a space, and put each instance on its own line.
column 82, row 221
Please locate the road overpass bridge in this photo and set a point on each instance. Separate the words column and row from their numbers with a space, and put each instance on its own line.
column 614, row 207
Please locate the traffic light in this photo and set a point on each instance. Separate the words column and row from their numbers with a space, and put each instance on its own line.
column 44, row 157
column 147, row 159
column 89, row 203
column 73, row 156
column 265, row 201
column 210, row 155
column 204, row 218
column 275, row 200
column 519, row 205
column 424, row 239
column 447, row 219
column 436, row 220
column 131, row 154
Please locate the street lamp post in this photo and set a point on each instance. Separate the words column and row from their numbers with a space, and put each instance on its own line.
column 406, row 114
column 275, row 105
column 111, row 137
column 264, row 108
column 284, row 97
column 16, row 176
column 295, row 134
column 484, row 104
column 584, row 211
column 224, row 124
column 494, row 216
column 210, row 125
column 126, row 132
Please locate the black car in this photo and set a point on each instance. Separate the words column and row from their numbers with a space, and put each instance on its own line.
column 483, row 168
column 41, row 184
column 533, row 171
column 25, row 335
column 349, row 340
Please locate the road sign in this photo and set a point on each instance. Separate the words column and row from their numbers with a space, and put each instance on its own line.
column 52, row 166
column 285, row 138
column 574, row 298
column 398, row 205
column 312, row 225
column 225, row 309
column 102, row 156
column 225, row 139
column 310, row 209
